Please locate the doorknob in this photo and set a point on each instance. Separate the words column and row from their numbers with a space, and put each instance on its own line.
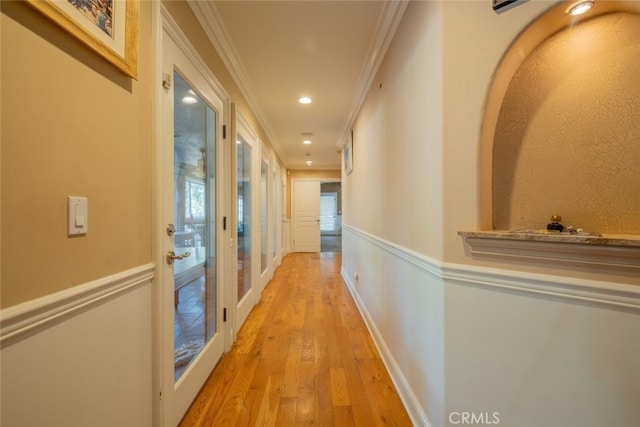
column 171, row 256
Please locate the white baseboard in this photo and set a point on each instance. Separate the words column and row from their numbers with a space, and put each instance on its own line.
column 402, row 296
column 412, row 405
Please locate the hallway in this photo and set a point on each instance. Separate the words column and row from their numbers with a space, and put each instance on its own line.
column 303, row 357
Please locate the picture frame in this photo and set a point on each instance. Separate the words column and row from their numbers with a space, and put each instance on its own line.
column 347, row 152
column 108, row 27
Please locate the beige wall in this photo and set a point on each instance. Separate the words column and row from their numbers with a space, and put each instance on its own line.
column 72, row 125
column 420, row 140
column 475, row 40
column 469, row 334
column 568, row 136
column 395, row 189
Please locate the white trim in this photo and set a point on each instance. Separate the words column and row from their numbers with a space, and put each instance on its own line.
column 428, row 264
column 181, row 40
column 24, row 318
column 609, row 293
column 157, row 309
column 411, row 402
column 389, row 21
column 427, row 272
column 176, row 396
column 588, row 254
column 570, row 289
column 425, row 264
column 213, row 25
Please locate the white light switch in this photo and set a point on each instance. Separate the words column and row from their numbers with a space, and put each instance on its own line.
column 77, row 208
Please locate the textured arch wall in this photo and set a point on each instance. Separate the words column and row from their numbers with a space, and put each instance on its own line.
column 567, row 133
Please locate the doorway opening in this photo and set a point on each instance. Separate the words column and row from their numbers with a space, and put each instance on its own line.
column 330, row 216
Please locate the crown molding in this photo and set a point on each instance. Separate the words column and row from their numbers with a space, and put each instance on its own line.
column 213, row 26
column 388, row 23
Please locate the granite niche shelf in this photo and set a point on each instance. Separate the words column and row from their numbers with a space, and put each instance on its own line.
column 590, row 251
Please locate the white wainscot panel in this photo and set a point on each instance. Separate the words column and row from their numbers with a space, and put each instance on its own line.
column 523, row 355
column 513, row 342
column 81, row 357
column 400, row 296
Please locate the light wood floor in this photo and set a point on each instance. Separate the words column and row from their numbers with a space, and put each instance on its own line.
column 303, row 358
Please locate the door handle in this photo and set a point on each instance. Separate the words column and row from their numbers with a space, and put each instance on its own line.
column 171, row 256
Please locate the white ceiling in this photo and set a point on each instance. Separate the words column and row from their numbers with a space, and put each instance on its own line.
column 278, row 51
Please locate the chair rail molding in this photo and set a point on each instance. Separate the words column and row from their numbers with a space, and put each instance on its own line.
column 21, row 319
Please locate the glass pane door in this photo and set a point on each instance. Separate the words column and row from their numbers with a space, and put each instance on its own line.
column 264, row 214
column 194, row 266
column 243, row 156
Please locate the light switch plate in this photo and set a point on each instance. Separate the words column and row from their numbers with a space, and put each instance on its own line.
column 77, row 210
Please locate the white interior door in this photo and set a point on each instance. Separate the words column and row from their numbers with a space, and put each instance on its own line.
column 266, row 221
column 191, row 272
column 247, row 198
column 306, row 216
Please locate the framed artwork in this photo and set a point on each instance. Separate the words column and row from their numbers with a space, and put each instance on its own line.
column 109, row 27
column 347, row 152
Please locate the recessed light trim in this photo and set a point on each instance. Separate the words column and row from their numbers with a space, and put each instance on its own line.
column 580, row 8
column 305, row 100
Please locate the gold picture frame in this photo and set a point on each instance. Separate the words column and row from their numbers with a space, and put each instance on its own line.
column 109, row 27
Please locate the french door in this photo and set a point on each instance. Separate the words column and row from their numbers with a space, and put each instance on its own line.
column 247, row 200
column 191, row 273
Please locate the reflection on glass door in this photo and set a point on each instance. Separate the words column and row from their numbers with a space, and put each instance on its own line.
column 194, row 264
column 243, row 156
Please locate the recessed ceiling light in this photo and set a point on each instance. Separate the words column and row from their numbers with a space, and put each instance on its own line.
column 189, row 100
column 309, row 162
column 580, row 8
column 304, row 100
column 306, row 142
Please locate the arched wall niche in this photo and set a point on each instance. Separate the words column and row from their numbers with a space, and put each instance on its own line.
column 561, row 126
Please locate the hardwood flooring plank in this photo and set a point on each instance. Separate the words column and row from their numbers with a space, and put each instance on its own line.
column 326, row 415
column 304, row 357
column 344, row 416
column 306, row 408
column 291, row 371
column 287, row 410
column 339, row 392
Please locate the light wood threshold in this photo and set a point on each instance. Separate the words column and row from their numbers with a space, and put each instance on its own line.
column 304, row 357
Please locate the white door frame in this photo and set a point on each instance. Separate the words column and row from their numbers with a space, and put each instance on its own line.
column 161, row 21
column 276, row 232
column 267, row 273
column 241, row 308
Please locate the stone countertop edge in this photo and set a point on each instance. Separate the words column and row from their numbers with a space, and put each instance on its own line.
column 602, row 240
